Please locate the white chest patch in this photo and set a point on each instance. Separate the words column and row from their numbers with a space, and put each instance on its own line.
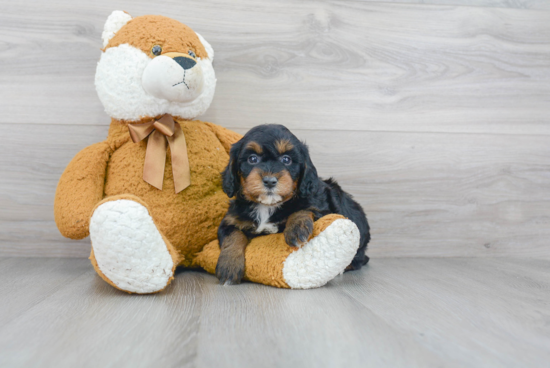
column 263, row 214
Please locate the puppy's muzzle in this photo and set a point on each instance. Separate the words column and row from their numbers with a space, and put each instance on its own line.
column 270, row 182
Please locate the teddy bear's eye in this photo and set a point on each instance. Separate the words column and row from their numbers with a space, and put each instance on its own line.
column 191, row 53
column 156, row 50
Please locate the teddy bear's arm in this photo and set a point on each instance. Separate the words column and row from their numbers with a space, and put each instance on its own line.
column 80, row 188
column 225, row 136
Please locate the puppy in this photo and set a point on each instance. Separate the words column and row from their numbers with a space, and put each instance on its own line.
column 277, row 190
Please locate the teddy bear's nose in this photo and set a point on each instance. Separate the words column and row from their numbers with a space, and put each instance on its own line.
column 185, row 62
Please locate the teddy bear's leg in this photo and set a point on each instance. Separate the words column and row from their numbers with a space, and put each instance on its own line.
column 128, row 251
column 270, row 261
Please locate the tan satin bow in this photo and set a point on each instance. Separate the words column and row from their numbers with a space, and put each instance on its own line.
column 160, row 131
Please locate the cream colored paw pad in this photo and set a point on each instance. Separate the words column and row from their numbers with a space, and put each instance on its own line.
column 323, row 257
column 128, row 247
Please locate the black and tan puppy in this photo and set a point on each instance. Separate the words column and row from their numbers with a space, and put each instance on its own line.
column 277, row 190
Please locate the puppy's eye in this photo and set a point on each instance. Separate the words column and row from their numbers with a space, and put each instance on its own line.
column 192, row 54
column 286, row 160
column 156, row 50
column 253, row 159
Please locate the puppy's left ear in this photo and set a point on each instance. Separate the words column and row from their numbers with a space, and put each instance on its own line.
column 309, row 181
column 230, row 175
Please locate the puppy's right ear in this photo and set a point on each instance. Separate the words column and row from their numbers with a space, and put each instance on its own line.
column 230, row 175
column 309, row 181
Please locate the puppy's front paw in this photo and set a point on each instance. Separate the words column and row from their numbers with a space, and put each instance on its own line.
column 297, row 233
column 230, row 268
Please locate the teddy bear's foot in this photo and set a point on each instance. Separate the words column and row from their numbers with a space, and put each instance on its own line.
column 128, row 251
column 269, row 260
column 324, row 257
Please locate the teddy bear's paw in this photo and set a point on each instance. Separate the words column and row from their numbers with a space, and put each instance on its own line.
column 128, row 247
column 323, row 257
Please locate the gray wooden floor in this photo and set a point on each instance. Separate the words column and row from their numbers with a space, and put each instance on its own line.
column 397, row 312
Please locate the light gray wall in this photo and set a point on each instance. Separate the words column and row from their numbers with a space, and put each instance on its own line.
column 435, row 116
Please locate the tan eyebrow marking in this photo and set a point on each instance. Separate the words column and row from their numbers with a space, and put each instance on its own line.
column 283, row 146
column 254, row 146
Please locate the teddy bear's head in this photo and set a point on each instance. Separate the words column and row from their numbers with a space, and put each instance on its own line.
column 153, row 65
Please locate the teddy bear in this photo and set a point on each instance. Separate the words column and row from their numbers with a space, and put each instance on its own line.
column 150, row 196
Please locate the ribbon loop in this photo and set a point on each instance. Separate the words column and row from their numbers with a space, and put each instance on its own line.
column 139, row 132
column 160, row 132
column 165, row 125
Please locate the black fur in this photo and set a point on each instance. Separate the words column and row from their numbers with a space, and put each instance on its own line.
column 230, row 174
column 321, row 197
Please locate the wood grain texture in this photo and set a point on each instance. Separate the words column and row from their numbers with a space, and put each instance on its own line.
column 300, row 328
column 425, row 194
column 435, row 116
column 354, row 65
column 491, row 313
column 393, row 313
column 123, row 330
column 27, row 282
column 516, row 4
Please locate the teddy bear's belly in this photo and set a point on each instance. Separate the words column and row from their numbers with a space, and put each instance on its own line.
column 190, row 218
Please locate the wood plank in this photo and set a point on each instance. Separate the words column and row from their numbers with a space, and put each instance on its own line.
column 516, row 4
column 476, row 313
column 425, row 194
column 39, row 239
column 88, row 323
column 32, row 160
column 397, row 312
column 27, row 282
column 256, row 326
column 354, row 65
column 444, row 195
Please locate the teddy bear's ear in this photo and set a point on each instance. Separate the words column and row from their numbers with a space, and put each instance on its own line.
column 114, row 23
column 209, row 49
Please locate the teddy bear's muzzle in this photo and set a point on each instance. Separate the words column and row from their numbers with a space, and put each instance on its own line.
column 175, row 77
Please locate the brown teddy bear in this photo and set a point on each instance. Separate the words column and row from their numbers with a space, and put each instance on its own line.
column 150, row 195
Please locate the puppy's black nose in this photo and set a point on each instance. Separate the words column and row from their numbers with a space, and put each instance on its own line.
column 270, row 181
column 185, row 62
